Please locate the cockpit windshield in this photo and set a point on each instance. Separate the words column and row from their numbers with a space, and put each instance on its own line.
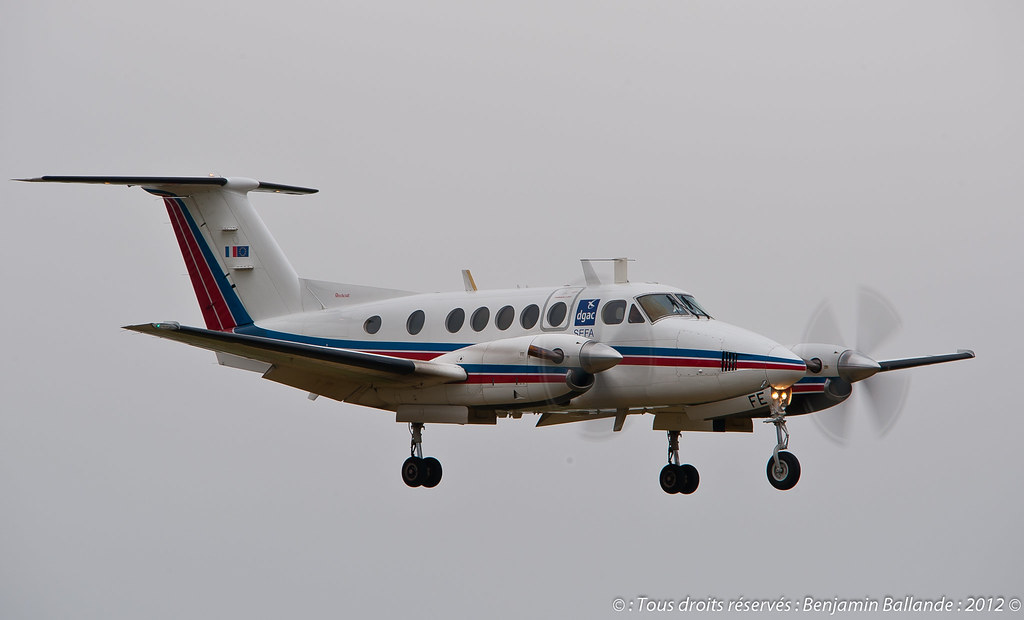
column 660, row 305
column 693, row 306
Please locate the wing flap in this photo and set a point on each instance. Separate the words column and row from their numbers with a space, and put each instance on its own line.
column 318, row 383
column 344, row 365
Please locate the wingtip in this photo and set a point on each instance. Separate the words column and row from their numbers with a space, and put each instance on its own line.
column 149, row 327
column 967, row 352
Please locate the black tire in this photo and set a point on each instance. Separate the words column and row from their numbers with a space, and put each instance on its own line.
column 433, row 475
column 689, row 479
column 670, row 478
column 788, row 474
column 414, row 471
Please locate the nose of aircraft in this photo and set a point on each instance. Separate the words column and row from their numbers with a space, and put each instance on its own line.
column 784, row 368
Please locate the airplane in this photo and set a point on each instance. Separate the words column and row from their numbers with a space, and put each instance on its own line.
column 609, row 348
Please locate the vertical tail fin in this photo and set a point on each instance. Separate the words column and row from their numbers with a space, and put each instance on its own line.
column 238, row 271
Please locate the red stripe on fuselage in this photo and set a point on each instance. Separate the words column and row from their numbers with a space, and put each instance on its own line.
column 639, row 360
column 768, row 366
column 702, row 362
column 211, row 300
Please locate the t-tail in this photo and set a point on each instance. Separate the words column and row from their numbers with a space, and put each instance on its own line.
column 239, row 273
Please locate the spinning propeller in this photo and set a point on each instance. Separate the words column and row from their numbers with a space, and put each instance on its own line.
column 876, row 323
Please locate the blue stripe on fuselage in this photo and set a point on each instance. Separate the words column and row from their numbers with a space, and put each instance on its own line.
column 813, row 380
column 447, row 347
column 699, row 353
column 359, row 345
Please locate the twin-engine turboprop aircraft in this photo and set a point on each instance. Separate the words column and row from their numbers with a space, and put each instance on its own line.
column 609, row 349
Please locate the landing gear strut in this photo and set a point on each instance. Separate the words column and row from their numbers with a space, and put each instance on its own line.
column 783, row 468
column 676, row 478
column 418, row 471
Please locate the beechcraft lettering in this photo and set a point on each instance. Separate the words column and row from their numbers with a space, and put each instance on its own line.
column 630, row 349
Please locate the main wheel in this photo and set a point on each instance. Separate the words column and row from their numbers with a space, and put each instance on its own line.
column 670, row 478
column 785, row 476
column 414, row 471
column 689, row 479
column 433, row 472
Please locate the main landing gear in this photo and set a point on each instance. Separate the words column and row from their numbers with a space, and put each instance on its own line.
column 783, row 468
column 418, row 471
column 676, row 478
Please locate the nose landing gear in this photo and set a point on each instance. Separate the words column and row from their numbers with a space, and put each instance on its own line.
column 418, row 471
column 783, row 467
column 676, row 478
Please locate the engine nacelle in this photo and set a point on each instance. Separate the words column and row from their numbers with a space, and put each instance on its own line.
column 579, row 381
column 561, row 350
column 822, row 359
column 531, row 369
column 827, row 360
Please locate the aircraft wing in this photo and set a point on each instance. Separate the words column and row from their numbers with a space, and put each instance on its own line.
column 914, row 362
column 335, row 373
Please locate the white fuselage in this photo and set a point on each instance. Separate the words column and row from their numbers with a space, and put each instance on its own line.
column 672, row 360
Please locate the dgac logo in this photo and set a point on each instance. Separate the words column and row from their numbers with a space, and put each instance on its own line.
column 586, row 312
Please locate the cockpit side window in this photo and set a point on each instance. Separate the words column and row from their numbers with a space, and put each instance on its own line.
column 635, row 316
column 613, row 312
column 659, row 305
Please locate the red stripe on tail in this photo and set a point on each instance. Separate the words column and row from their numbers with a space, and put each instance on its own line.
column 211, row 300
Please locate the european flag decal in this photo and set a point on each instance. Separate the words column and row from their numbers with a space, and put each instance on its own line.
column 236, row 251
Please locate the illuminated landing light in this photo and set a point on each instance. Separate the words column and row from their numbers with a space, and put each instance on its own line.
column 780, row 400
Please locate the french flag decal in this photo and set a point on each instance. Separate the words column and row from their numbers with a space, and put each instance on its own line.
column 236, row 251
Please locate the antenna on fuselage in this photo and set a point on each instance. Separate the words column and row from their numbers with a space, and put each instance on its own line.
column 468, row 281
column 620, row 269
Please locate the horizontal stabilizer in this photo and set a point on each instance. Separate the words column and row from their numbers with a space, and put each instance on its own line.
column 176, row 182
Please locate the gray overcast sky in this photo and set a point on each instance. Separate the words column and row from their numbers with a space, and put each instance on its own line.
column 762, row 155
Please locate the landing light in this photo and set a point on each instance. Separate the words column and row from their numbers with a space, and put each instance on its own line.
column 780, row 400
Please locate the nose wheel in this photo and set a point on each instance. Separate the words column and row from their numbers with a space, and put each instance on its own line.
column 676, row 478
column 783, row 467
column 783, row 471
column 418, row 471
